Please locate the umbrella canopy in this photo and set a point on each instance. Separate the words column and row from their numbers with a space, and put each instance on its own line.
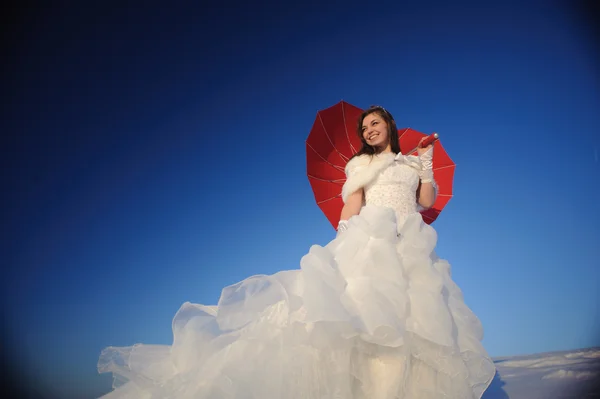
column 333, row 141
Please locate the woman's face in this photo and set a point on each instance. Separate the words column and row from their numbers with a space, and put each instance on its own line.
column 375, row 131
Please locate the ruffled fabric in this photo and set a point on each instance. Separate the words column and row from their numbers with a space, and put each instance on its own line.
column 373, row 314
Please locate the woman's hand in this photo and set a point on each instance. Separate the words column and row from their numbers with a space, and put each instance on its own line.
column 423, row 150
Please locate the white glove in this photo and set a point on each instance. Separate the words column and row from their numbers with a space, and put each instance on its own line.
column 342, row 226
column 426, row 173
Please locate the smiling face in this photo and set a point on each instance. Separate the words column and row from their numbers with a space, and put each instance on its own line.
column 375, row 132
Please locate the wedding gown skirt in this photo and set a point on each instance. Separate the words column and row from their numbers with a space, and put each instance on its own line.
column 373, row 314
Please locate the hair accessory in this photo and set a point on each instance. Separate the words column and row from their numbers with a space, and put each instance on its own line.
column 386, row 111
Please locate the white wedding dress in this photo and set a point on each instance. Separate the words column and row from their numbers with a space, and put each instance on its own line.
column 373, row 314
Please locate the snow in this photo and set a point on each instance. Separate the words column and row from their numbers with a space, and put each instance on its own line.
column 571, row 374
column 556, row 375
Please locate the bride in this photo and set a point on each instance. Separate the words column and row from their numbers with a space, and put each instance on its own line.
column 374, row 314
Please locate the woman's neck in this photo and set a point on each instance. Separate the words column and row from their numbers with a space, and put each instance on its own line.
column 387, row 149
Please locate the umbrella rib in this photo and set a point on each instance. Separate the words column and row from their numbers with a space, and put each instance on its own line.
column 428, row 217
column 346, row 129
column 337, row 181
column 444, row 167
column 400, row 136
column 335, row 166
column 329, row 138
column 328, row 199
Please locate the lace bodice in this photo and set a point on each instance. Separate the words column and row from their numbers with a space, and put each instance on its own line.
column 389, row 180
column 394, row 187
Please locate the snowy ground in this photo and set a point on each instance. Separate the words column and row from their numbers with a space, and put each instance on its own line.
column 554, row 375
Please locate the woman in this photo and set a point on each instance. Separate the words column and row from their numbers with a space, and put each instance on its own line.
column 373, row 314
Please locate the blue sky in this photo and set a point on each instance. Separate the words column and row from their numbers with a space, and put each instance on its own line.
column 156, row 156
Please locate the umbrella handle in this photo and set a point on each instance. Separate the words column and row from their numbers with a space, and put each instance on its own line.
column 429, row 140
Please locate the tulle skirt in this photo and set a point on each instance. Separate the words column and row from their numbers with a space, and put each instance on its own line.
column 373, row 314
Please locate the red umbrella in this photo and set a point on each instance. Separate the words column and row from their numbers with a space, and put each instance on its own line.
column 332, row 142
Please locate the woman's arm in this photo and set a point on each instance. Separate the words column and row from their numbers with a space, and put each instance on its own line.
column 352, row 205
column 426, row 195
column 426, row 192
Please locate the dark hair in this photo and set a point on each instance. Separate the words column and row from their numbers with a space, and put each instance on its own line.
column 392, row 130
